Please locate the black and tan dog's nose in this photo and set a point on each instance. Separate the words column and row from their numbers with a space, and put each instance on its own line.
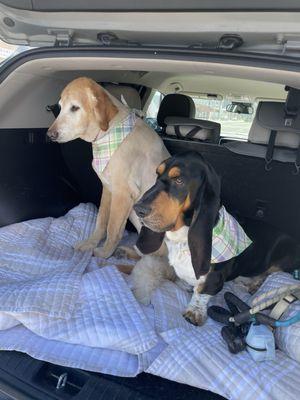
column 53, row 134
column 141, row 210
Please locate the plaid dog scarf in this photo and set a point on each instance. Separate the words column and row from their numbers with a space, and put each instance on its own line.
column 104, row 148
column 228, row 240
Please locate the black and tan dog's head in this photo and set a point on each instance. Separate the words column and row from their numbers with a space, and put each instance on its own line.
column 186, row 192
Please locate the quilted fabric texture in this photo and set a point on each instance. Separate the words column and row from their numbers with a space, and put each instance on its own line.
column 287, row 338
column 58, row 305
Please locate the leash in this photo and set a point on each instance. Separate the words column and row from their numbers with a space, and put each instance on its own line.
column 245, row 326
column 283, row 296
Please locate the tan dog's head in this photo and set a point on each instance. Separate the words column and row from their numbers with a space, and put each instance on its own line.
column 85, row 109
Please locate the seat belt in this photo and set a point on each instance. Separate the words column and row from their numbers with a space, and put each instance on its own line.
column 177, row 132
column 193, row 132
column 189, row 135
column 270, row 150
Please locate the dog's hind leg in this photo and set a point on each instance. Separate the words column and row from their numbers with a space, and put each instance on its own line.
column 121, row 206
column 101, row 224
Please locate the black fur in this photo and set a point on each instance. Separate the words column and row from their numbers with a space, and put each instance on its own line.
column 148, row 241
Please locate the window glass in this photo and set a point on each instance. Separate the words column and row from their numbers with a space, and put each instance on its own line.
column 154, row 105
column 152, row 110
column 233, row 124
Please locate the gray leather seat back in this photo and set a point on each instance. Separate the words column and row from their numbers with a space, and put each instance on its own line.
column 270, row 116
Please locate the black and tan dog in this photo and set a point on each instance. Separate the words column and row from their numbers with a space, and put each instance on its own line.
column 206, row 245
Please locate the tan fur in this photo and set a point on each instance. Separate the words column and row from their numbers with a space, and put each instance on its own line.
column 174, row 172
column 254, row 283
column 148, row 274
column 125, row 268
column 167, row 211
column 130, row 172
column 161, row 168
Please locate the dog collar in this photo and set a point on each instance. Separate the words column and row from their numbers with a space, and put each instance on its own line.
column 228, row 241
column 104, row 147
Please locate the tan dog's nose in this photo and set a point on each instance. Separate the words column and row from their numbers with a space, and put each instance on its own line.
column 53, row 134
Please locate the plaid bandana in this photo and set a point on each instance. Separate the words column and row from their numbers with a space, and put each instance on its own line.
column 229, row 238
column 104, row 148
column 228, row 241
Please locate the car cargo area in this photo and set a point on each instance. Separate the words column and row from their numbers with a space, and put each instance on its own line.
column 40, row 178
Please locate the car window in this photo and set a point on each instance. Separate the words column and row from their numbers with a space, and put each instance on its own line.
column 154, row 105
column 233, row 125
column 152, row 110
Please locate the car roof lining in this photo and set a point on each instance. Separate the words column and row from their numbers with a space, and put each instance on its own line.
column 48, row 76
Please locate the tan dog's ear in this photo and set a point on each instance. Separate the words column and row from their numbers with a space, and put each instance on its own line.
column 104, row 108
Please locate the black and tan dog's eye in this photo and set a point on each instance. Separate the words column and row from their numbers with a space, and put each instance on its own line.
column 179, row 181
column 74, row 108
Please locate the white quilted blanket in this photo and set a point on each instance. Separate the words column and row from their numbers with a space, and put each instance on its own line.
column 57, row 305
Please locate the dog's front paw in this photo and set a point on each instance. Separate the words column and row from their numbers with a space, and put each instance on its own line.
column 86, row 245
column 195, row 315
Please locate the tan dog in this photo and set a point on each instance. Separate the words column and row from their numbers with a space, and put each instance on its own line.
column 92, row 114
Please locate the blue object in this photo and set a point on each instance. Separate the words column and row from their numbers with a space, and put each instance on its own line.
column 260, row 343
column 288, row 322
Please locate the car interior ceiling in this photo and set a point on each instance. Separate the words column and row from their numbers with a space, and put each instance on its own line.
column 41, row 179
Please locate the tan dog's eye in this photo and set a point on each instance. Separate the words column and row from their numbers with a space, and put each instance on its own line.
column 74, row 108
column 179, row 181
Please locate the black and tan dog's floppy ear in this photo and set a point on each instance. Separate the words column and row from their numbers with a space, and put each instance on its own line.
column 148, row 241
column 206, row 203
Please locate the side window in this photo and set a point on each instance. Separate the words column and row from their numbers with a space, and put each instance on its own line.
column 152, row 110
column 153, row 107
column 233, row 124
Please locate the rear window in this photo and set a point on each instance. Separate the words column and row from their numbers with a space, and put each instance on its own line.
column 233, row 125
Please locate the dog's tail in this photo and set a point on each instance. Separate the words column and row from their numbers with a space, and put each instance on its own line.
column 148, row 274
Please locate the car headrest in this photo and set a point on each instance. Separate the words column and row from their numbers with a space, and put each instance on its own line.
column 127, row 93
column 193, row 129
column 175, row 105
column 271, row 115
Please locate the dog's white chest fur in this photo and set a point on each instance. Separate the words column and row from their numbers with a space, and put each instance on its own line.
column 180, row 256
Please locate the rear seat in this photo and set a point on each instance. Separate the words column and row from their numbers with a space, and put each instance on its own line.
column 126, row 94
column 176, row 118
column 270, row 138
